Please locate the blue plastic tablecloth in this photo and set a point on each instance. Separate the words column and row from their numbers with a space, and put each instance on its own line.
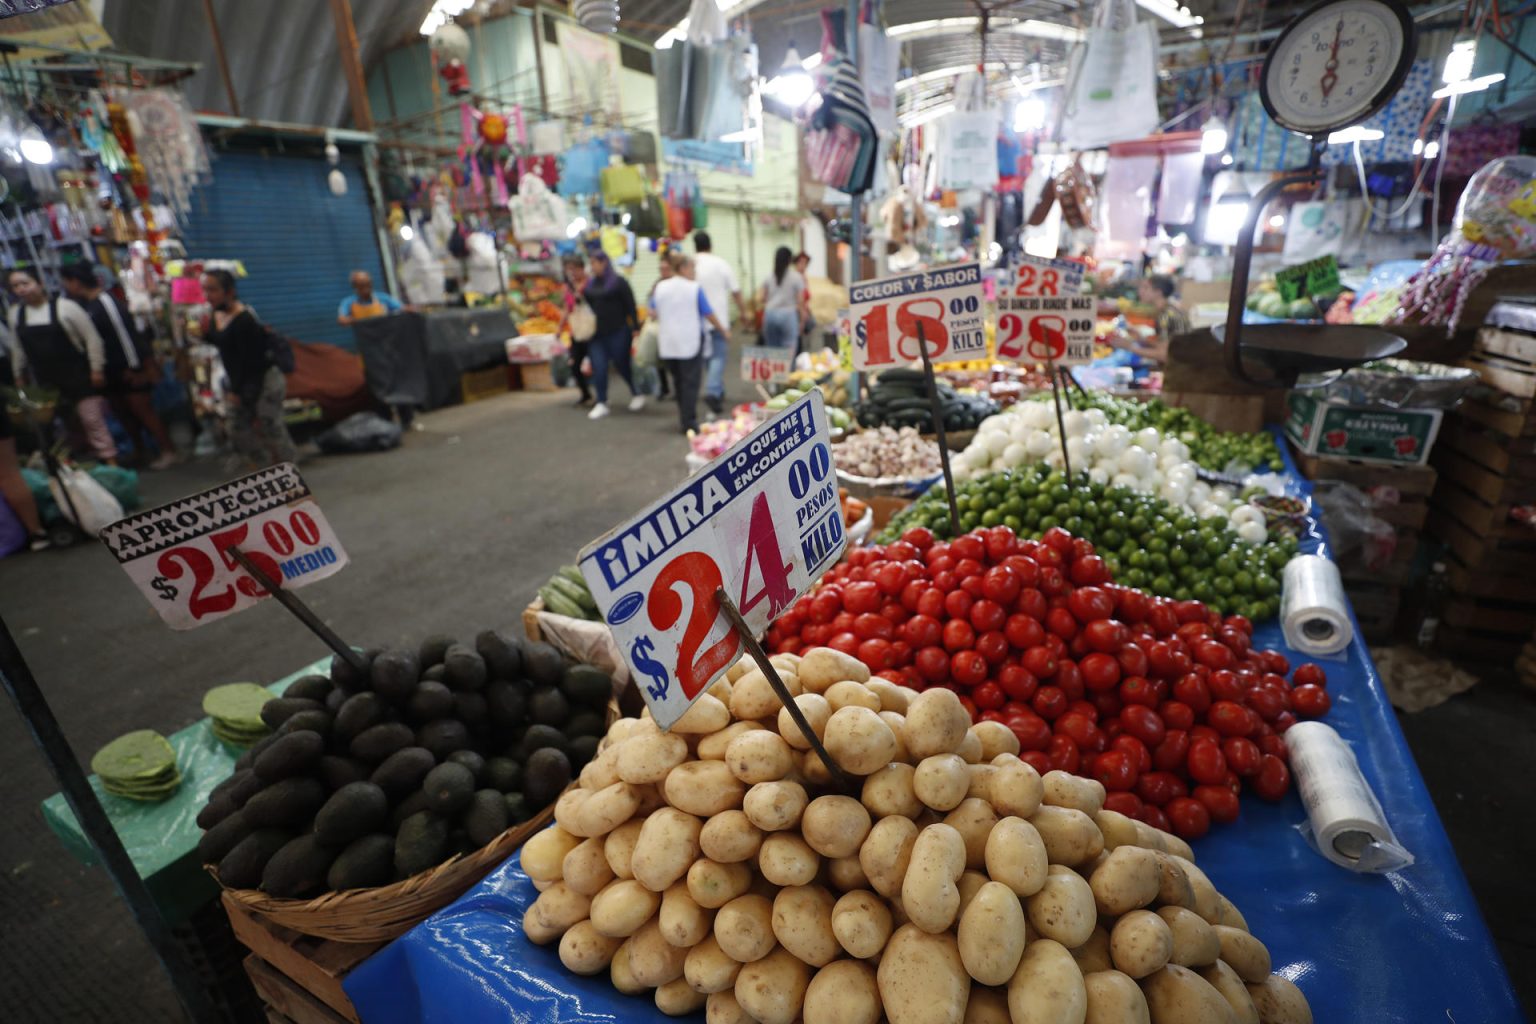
column 1406, row 946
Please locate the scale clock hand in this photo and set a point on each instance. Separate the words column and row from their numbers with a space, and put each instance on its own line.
column 1331, row 75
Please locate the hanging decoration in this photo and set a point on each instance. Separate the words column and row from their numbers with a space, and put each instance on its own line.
column 166, row 140
column 450, row 49
column 485, row 138
column 138, row 180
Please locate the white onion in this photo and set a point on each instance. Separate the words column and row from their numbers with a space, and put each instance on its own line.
column 1099, row 475
column 1135, row 461
column 1076, row 423
column 1222, row 495
column 1114, row 440
column 1246, row 514
column 1125, row 480
column 1148, row 437
column 1077, row 452
column 997, row 441
column 1252, row 533
column 1014, row 454
column 1039, row 444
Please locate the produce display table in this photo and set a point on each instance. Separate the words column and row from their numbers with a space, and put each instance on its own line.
column 1407, row 946
column 417, row 358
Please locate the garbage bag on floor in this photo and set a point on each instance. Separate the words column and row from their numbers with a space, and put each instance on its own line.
column 360, row 432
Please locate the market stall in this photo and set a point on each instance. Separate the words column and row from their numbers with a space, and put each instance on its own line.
column 419, row 359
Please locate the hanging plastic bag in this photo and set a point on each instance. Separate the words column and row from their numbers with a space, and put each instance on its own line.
column 622, row 183
column 879, row 59
column 547, row 138
column 92, row 503
column 537, row 213
column 581, row 166
column 582, row 322
column 1111, row 91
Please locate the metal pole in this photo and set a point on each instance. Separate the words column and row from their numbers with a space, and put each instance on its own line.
column 218, row 50
column 21, row 686
column 380, row 224
column 938, row 427
column 855, row 200
column 301, row 611
column 538, row 56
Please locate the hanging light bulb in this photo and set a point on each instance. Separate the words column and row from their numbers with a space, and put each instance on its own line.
column 332, row 154
column 1213, row 136
column 337, row 181
column 406, row 233
column 34, row 147
column 792, row 85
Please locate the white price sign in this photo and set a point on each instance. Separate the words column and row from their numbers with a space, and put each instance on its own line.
column 765, row 364
column 761, row 521
column 179, row 557
column 1043, row 318
column 946, row 303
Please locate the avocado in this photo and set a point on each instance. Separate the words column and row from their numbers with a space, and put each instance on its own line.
column 367, row 862
column 318, row 722
column 434, row 674
column 394, row 675
column 242, row 866
column 503, row 773
column 359, row 712
column 353, row 810
column 433, row 648
column 538, row 737
column 298, row 869
column 221, row 838
column 375, row 744
column 421, row 843
column 586, row 684
column 336, row 771
column 486, row 817
column 582, row 749
column 548, row 706
column 543, row 664
column 471, row 760
column 471, row 709
column 506, row 703
column 279, row 709
column 348, row 678
column 448, row 787
column 403, row 771
column 293, row 754
column 464, row 669
column 245, row 760
column 218, row 807
column 287, row 802
column 308, row 687
column 547, row 772
column 586, row 723
column 503, row 653
column 413, row 804
column 335, row 699
column 443, row 736
column 517, row 808
column 244, row 785
column 430, row 700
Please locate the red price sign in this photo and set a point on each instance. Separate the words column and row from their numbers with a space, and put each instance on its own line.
column 1043, row 318
column 763, row 364
column 762, row 522
column 945, row 304
column 181, row 555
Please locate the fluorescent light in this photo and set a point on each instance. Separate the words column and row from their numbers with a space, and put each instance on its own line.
column 576, row 227
column 1029, row 115
column 1418, row 146
column 949, row 221
column 1226, row 159
column 812, row 62
column 966, row 25
column 1432, row 150
column 1355, row 133
column 1458, row 63
column 1177, row 16
column 913, row 119
column 1277, row 221
column 36, row 149
column 946, row 72
column 792, row 85
column 441, row 11
column 1473, row 85
column 1213, row 137
column 745, row 135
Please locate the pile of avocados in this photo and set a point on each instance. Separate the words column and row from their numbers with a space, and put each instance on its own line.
column 371, row 777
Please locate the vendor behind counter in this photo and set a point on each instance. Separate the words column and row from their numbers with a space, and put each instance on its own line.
column 1155, row 291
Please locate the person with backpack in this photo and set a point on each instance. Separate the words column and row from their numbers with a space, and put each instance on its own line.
column 255, row 359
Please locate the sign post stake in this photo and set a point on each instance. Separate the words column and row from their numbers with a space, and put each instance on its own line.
column 1061, row 424
column 301, row 611
column 938, row 426
column 845, row 781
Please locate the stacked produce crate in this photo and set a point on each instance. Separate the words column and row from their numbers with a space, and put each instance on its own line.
column 298, row 977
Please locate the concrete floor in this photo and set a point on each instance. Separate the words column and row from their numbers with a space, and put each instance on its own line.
column 453, row 533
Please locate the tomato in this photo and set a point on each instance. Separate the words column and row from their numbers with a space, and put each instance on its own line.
column 1033, row 603
column 1309, row 674
column 816, row 635
column 1164, row 660
column 969, row 546
column 842, row 622
column 869, row 626
column 1106, row 635
column 1204, row 732
column 931, row 603
column 1063, row 755
column 1273, row 745
column 1231, row 719
column 958, row 635
column 1162, row 618
column 901, row 551
column 1224, row 685
column 1159, row 787
column 1206, row 763
column 1114, row 771
column 1079, row 727
column 972, row 585
column 1000, row 542
column 1132, row 605
column 1089, row 603
column 901, row 653
column 992, row 646
column 790, row 646
column 848, row 643
column 1128, row 804
column 1058, row 540
column 1214, row 654
column 890, row 577
column 1133, row 660
column 1136, row 750
column 922, row 630
column 1189, row 611
column 1176, row 714
column 1310, row 700
column 957, row 604
column 989, row 697
column 1234, row 639
column 932, row 663
column 1061, row 622
column 1188, row 817
column 1001, row 584
column 1100, row 672
column 919, row 537
column 1022, row 631
column 1052, row 582
column 1069, row 679
column 1025, row 568
column 1108, row 705
column 1274, row 778
column 946, row 580
column 968, row 567
column 1191, row 691
column 1283, row 721
column 1138, row 690
column 1219, row 801
column 1039, row 662
column 1143, row 723
column 877, row 653
column 1242, row 755
column 1267, row 701
column 987, row 615
column 1049, row 702
column 1039, row 760
column 1055, row 645
column 1032, row 730
column 828, row 602
column 912, row 592
column 967, row 668
column 1016, row 682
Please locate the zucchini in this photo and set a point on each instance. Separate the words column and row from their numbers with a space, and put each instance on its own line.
column 559, row 604
column 576, row 594
column 908, row 404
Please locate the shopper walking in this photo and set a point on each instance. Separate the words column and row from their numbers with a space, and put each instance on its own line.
column 13, row 487
column 782, row 298
column 130, row 363
column 664, row 270
column 718, row 280
column 581, row 321
column 256, row 385
column 613, row 302
column 682, row 309
column 58, row 347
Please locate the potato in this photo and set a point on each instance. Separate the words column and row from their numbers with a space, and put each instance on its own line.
column 820, row 667
column 1015, row 855
column 835, row 826
column 1047, row 988
column 708, row 969
column 859, row 741
column 892, row 697
column 742, row 666
column 991, row 934
column 928, row 893
column 650, row 800
column 676, row 998
column 775, row 806
column 891, row 790
column 543, row 855
column 566, row 806
column 861, row 922
column 970, row 884
column 1174, row 845
column 1206, row 900
column 1228, row 914
column 683, row 921
column 649, row 755
column 1279, row 1001
column 1117, row 829
column 1177, row 995
column 602, row 770
column 730, row 837
column 970, row 748
column 1243, row 953
column 1093, row 955
column 668, row 844
column 1224, row 979
column 1114, row 998
column 802, row 922
column 815, row 709
column 1063, row 908
column 979, row 781
column 942, row 781
column 714, row 746
column 752, row 695
column 786, row 859
column 1070, row 836
column 608, row 808
column 886, row 853
column 722, row 1008
column 785, row 662
column 622, row 908
column 652, row 959
column 556, row 909
column 703, row 788
column 987, row 1006
column 1016, row 787
column 843, row 993
column 922, row 978
column 1195, row 943
column 618, row 848
column 772, row 989
column 936, row 723
column 744, row 928
column 847, row 874
column 996, row 738
column 974, row 819
column 708, row 714
column 1127, row 879
column 1173, row 885
column 586, row 869
column 1065, row 790
column 1140, row 943
column 585, row 950
column 712, row 885
column 619, row 973
column 813, row 770
column 759, row 756
column 897, row 724
column 848, row 694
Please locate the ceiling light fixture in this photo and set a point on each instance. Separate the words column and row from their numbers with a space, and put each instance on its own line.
column 34, row 147
column 1171, row 12
column 1213, row 136
column 1469, row 85
column 1355, row 133
column 792, row 85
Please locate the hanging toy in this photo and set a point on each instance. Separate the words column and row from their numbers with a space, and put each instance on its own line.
column 450, row 48
column 483, row 136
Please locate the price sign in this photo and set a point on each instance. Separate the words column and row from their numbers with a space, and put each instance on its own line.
column 762, row 521
column 1042, row 318
column 179, row 557
column 1314, row 277
column 764, row 364
column 946, row 303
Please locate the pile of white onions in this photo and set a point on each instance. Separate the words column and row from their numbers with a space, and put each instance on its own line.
column 1143, row 460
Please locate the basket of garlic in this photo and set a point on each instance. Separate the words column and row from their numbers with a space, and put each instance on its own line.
column 886, row 462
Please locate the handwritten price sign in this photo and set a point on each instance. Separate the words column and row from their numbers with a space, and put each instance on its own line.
column 763, row 364
column 1043, row 318
column 946, row 303
column 762, row 521
column 179, row 556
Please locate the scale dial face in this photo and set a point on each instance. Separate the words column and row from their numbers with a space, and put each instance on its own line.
column 1337, row 64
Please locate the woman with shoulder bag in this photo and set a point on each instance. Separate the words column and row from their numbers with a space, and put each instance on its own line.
column 581, row 321
column 256, row 385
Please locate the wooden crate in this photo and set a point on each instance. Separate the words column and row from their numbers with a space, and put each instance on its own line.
column 285, row 999
column 306, row 969
column 1506, row 360
column 1493, row 615
column 475, row 385
column 1490, row 486
column 1410, row 481
column 1525, row 665
column 1376, row 609
column 1475, row 645
column 1395, row 573
column 1506, row 455
column 536, row 377
column 1511, row 416
column 885, row 509
column 1236, row 413
column 1511, row 555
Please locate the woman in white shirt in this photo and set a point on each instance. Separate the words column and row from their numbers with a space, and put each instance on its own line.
column 783, row 301
column 58, row 347
column 681, row 310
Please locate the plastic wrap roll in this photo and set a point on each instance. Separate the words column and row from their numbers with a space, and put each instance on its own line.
column 1346, row 821
column 1313, row 611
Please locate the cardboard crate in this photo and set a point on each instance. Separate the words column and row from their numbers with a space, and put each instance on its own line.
column 536, row 377
column 1397, row 436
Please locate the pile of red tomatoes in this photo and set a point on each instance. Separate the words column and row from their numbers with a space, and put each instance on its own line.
column 1166, row 703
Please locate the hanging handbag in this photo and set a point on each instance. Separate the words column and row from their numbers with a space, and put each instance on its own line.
column 537, row 213
column 640, row 148
column 582, row 322
column 581, row 167
column 646, row 217
column 622, row 183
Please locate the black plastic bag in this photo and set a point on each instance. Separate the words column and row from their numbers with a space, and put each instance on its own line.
column 360, row 432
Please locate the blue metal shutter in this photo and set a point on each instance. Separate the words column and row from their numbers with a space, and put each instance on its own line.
column 298, row 242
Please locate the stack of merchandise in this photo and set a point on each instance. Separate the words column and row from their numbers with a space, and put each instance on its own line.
column 235, row 711
column 138, row 766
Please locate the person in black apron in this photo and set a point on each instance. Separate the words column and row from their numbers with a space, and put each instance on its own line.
column 58, row 348
column 256, row 384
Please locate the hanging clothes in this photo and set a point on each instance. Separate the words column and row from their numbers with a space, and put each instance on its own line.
column 841, row 141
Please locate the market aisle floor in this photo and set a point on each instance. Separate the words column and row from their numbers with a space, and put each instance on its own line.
column 453, row 533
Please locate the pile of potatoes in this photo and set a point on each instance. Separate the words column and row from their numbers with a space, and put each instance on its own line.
column 719, row 865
